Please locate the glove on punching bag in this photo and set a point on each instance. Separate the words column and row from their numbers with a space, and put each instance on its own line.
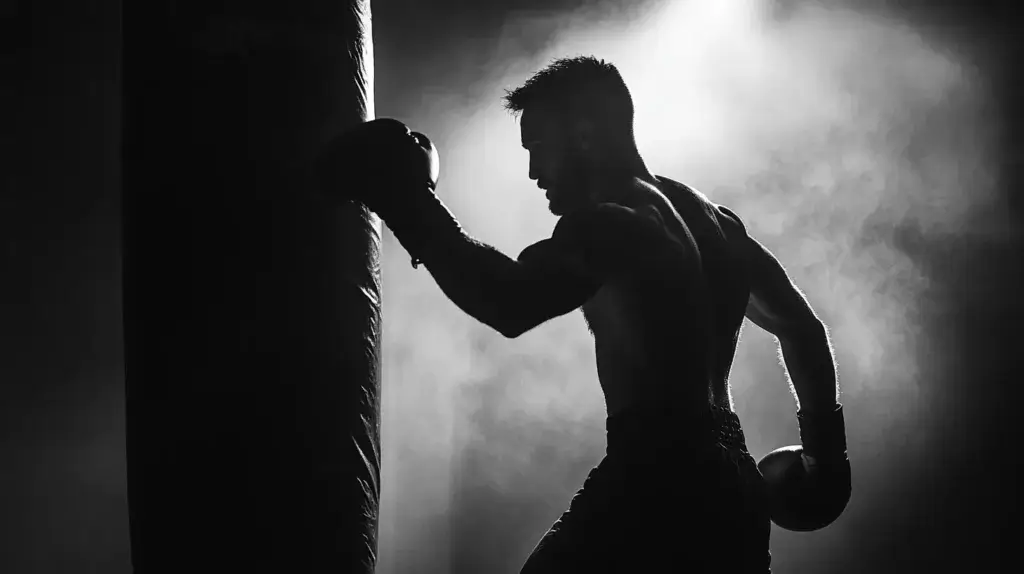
column 396, row 171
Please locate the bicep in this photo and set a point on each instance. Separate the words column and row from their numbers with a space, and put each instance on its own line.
column 589, row 248
column 554, row 279
column 586, row 249
column 776, row 303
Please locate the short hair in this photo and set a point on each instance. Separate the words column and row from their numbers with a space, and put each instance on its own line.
column 582, row 86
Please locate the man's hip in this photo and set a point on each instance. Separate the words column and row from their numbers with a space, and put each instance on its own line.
column 669, row 494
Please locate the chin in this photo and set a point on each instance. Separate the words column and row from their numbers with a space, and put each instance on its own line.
column 562, row 206
column 555, row 207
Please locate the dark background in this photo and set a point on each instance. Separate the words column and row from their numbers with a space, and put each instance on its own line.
column 62, row 491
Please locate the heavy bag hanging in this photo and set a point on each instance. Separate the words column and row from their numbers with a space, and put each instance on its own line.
column 251, row 302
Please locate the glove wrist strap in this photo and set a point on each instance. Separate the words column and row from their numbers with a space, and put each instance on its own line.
column 823, row 435
column 424, row 226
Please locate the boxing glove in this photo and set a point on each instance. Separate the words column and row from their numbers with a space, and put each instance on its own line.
column 809, row 486
column 394, row 172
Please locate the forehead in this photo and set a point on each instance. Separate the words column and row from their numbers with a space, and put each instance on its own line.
column 537, row 125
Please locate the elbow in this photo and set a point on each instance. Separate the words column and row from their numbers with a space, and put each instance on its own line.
column 510, row 334
column 510, row 319
column 810, row 330
column 510, row 331
column 511, row 328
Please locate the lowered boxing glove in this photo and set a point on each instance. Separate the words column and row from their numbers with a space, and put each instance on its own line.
column 808, row 487
column 393, row 171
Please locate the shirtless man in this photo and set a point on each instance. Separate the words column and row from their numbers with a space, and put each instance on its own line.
column 664, row 278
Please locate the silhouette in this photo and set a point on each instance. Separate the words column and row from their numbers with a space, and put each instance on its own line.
column 664, row 278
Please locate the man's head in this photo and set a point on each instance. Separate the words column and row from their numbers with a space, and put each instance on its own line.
column 576, row 120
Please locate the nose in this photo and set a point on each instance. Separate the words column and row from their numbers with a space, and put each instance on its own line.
column 533, row 168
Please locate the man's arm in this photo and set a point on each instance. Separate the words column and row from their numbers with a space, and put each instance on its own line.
column 777, row 306
column 549, row 278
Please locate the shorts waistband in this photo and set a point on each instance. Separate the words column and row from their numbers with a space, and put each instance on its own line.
column 637, row 427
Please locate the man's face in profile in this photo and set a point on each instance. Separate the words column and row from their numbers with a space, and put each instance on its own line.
column 554, row 163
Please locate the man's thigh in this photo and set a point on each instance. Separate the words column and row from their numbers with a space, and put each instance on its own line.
column 647, row 515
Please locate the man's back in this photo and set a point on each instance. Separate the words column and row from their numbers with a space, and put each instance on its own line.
column 650, row 328
column 718, row 233
column 675, row 471
column 666, row 329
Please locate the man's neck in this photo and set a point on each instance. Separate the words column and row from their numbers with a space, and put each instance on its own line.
column 620, row 185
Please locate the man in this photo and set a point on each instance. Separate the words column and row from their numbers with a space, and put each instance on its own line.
column 664, row 278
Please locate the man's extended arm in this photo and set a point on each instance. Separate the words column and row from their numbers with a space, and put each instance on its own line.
column 512, row 296
column 393, row 171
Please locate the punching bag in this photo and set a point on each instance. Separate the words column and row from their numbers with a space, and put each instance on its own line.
column 251, row 301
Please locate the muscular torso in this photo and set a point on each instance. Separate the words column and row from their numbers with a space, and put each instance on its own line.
column 667, row 333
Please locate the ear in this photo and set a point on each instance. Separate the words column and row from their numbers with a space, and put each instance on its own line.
column 584, row 135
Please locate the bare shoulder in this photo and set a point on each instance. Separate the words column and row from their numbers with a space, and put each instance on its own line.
column 609, row 235
column 704, row 217
column 730, row 220
column 597, row 221
column 585, row 233
column 729, row 217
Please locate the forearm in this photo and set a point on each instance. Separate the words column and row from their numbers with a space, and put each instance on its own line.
column 811, row 368
column 480, row 280
column 394, row 172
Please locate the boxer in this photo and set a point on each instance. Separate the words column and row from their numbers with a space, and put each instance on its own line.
column 664, row 278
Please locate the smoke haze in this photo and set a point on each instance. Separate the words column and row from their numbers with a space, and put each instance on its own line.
column 859, row 147
column 844, row 140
